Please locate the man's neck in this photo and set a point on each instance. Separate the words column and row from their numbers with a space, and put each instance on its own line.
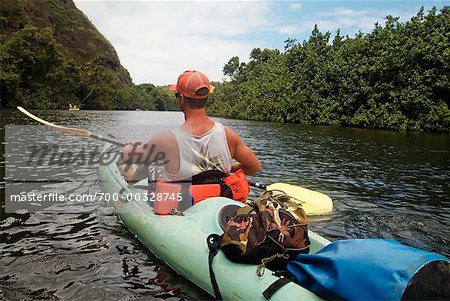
column 196, row 117
column 197, row 122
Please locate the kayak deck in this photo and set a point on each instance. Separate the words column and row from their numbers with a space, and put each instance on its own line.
column 180, row 241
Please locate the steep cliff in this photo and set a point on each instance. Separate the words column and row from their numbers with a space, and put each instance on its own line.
column 52, row 55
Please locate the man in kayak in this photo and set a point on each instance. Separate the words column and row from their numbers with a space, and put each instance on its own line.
column 199, row 145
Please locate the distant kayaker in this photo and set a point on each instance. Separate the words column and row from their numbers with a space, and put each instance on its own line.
column 199, row 145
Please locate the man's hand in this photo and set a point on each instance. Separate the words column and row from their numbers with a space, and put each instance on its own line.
column 129, row 151
column 125, row 166
column 142, row 154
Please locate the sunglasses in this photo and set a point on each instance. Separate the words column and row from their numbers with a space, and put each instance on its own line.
column 177, row 95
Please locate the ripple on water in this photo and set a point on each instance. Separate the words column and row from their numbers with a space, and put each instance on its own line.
column 383, row 184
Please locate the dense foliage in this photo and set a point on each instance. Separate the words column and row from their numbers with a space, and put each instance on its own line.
column 51, row 55
column 163, row 98
column 396, row 77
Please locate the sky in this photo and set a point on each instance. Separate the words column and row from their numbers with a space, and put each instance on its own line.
column 157, row 40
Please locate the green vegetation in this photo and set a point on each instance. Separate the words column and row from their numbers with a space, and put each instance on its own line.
column 396, row 77
column 163, row 98
column 51, row 55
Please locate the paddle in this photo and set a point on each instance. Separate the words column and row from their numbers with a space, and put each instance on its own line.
column 75, row 131
column 315, row 203
column 258, row 185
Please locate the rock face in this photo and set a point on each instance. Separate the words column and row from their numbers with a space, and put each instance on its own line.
column 51, row 55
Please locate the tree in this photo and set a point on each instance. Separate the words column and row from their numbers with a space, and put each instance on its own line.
column 396, row 77
column 255, row 54
column 231, row 68
column 34, row 71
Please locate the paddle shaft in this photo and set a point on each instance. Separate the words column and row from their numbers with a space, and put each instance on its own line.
column 74, row 131
column 101, row 138
column 258, row 185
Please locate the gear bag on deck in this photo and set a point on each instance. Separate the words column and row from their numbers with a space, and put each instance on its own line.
column 270, row 231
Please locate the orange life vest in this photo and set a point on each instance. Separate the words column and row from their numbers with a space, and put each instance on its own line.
column 169, row 194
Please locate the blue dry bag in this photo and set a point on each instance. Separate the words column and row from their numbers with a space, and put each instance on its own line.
column 368, row 269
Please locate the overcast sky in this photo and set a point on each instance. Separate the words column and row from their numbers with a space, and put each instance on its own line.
column 157, row 40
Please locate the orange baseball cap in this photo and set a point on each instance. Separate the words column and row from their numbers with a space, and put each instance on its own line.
column 192, row 84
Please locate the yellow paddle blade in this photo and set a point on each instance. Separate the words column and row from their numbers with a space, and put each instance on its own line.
column 314, row 203
column 74, row 131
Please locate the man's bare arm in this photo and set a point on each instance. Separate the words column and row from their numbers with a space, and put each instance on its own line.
column 137, row 152
column 247, row 160
column 142, row 155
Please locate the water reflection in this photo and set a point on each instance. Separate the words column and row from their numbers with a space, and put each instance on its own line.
column 384, row 184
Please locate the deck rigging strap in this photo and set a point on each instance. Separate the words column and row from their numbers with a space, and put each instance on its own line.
column 213, row 241
column 274, row 287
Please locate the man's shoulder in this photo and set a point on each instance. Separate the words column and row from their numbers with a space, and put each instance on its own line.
column 232, row 138
column 163, row 139
column 230, row 133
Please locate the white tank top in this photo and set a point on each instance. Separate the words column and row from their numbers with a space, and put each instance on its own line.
column 201, row 153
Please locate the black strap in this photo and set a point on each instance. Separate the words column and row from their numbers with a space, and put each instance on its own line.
column 144, row 187
column 274, row 287
column 225, row 190
column 208, row 177
column 213, row 241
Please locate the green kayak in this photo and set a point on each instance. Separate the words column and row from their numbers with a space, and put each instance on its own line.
column 180, row 241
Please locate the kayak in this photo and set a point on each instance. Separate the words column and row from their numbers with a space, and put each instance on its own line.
column 180, row 241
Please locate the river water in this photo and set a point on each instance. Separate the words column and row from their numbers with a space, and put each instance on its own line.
column 383, row 184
